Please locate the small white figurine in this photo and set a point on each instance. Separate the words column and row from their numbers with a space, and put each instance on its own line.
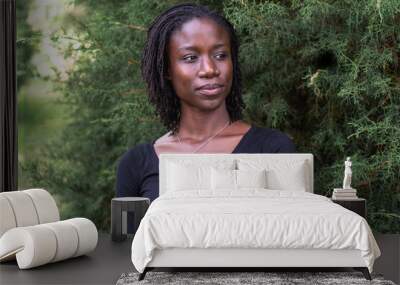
column 347, row 174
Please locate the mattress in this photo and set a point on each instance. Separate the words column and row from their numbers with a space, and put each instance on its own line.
column 250, row 219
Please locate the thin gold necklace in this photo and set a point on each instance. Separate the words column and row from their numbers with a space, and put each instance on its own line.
column 208, row 140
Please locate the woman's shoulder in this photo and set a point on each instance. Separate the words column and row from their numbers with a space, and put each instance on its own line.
column 273, row 140
column 269, row 132
column 137, row 154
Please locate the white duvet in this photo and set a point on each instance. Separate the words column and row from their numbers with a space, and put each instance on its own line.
column 251, row 218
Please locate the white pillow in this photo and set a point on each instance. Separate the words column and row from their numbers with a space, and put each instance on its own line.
column 181, row 178
column 281, row 174
column 183, row 175
column 225, row 179
column 251, row 178
column 293, row 180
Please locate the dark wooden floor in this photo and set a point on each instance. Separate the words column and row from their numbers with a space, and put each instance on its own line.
column 389, row 262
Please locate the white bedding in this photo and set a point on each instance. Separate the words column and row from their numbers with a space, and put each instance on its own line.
column 252, row 218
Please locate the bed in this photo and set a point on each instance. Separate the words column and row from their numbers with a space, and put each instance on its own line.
column 247, row 210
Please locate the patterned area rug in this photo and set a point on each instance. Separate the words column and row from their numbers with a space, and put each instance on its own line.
column 242, row 278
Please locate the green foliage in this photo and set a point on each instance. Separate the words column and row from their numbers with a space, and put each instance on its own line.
column 325, row 72
column 27, row 41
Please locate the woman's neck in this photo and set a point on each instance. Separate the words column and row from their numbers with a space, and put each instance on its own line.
column 200, row 126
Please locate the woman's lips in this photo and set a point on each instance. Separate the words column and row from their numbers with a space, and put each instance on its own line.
column 210, row 89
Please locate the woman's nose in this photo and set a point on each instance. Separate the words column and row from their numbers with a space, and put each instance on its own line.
column 208, row 68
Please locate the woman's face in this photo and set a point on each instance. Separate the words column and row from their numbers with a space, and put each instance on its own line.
column 200, row 64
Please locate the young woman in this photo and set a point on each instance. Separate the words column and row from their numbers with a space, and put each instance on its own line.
column 190, row 65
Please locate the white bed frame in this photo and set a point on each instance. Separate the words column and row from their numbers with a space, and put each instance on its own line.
column 246, row 258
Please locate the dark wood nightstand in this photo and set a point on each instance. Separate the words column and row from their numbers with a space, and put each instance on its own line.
column 124, row 210
column 357, row 205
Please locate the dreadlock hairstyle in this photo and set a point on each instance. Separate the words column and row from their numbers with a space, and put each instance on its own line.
column 154, row 65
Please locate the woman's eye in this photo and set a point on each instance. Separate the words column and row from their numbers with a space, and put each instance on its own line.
column 189, row 58
column 221, row 56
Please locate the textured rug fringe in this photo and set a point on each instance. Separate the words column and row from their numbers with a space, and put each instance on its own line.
column 244, row 278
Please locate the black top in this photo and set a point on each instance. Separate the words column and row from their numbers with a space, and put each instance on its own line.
column 137, row 173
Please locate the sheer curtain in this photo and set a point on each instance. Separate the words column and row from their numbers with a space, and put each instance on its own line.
column 8, row 98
